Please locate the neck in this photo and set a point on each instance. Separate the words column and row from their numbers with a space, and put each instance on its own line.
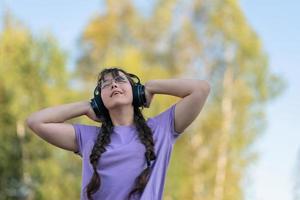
column 122, row 116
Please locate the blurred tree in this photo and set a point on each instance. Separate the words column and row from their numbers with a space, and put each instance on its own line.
column 115, row 39
column 242, row 85
column 33, row 75
column 201, row 39
column 11, row 168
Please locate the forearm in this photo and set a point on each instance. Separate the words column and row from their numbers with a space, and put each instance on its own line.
column 176, row 87
column 59, row 113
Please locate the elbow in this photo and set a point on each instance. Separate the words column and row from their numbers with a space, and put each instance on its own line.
column 203, row 86
column 31, row 122
column 206, row 86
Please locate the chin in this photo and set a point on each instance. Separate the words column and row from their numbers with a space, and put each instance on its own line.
column 118, row 103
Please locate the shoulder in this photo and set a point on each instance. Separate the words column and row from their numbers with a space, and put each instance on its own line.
column 163, row 124
column 86, row 126
column 84, row 129
column 163, row 117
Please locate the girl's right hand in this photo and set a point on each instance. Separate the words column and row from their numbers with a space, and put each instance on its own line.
column 91, row 114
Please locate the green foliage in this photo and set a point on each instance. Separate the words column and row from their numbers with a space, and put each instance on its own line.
column 32, row 76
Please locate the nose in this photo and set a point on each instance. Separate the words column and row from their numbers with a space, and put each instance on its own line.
column 113, row 84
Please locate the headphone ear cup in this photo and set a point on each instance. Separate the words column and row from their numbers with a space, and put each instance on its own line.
column 138, row 93
column 97, row 103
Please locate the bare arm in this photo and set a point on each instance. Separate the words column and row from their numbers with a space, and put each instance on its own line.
column 193, row 93
column 49, row 123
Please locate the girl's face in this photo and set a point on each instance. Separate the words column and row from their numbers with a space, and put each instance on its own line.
column 121, row 85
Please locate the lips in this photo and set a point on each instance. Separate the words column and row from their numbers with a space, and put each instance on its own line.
column 114, row 92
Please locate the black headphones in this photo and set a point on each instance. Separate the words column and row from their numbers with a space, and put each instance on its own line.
column 138, row 93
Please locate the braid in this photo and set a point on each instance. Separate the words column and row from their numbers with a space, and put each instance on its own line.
column 145, row 136
column 103, row 139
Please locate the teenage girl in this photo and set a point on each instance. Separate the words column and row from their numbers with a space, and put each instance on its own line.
column 128, row 156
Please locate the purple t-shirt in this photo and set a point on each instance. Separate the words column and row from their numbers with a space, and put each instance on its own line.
column 124, row 158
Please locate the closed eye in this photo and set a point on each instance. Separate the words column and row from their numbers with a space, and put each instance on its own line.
column 120, row 79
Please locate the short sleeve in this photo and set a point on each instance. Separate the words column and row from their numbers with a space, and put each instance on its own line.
column 167, row 119
column 78, row 139
column 83, row 134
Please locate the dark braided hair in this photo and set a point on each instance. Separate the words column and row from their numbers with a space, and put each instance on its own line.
column 103, row 139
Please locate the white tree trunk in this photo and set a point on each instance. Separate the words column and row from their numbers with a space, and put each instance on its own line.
column 224, row 135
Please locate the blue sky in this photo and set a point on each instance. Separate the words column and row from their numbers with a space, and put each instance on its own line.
column 276, row 23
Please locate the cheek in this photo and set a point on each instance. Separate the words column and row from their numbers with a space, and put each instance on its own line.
column 105, row 96
column 129, row 92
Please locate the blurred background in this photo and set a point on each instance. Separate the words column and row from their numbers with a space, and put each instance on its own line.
column 243, row 145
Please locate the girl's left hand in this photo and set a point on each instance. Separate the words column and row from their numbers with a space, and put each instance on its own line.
column 149, row 97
